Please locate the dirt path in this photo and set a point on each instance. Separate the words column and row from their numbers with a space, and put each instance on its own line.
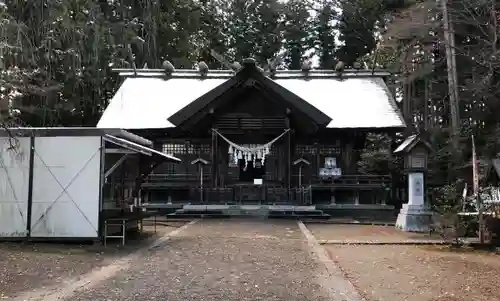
column 222, row 260
column 418, row 273
column 58, row 279
column 409, row 272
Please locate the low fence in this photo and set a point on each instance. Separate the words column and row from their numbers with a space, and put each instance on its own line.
column 251, row 194
column 187, row 188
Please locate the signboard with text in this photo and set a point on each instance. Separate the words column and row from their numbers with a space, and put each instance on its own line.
column 330, row 172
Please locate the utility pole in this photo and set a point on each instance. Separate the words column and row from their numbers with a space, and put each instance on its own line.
column 449, row 38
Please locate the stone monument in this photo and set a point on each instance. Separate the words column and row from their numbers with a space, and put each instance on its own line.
column 415, row 216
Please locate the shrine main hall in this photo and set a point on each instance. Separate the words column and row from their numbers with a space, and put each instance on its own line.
column 258, row 137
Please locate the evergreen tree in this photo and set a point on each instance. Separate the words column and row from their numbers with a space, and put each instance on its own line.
column 325, row 32
column 297, row 34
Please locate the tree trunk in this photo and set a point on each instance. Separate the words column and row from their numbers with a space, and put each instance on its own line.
column 449, row 38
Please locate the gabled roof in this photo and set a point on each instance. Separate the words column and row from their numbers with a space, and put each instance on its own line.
column 357, row 102
column 148, row 99
column 410, row 142
column 250, row 73
column 146, row 102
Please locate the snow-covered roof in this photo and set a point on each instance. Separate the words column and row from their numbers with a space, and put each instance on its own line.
column 357, row 99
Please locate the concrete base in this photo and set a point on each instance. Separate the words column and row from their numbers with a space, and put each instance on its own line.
column 414, row 218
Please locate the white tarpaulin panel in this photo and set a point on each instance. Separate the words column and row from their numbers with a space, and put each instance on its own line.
column 66, row 186
column 14, row 178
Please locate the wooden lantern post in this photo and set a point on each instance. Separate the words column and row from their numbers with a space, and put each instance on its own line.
column 301, row 163
column 200, row 162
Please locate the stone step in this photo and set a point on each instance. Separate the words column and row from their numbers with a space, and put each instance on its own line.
column 197, row 215
column 301, row 217
column 295, row 212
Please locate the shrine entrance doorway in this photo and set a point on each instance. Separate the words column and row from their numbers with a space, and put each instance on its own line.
column 250, row 171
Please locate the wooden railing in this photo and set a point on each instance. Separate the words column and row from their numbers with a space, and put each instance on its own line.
column 354, row 181
column 163, row 179
column 251, row 194
column 345, row 181
column 188, row 179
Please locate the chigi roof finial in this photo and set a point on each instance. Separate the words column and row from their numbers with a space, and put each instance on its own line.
column 306, row 65
column 340, row 66
column 168, row 67
column 203, row 67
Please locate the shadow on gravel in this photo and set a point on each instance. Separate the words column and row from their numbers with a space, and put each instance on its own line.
column 25, row 266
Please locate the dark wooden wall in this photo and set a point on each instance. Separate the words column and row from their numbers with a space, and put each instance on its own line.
column 276, row 162
column 187, row 151
column 253, row 117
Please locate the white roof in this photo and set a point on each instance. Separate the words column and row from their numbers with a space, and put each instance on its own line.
column 138, row 148
column 350, row 102
column 146, row 102
column 405, row 143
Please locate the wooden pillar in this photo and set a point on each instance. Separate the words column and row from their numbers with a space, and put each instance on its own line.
column 288, row 154
column 289, row 162
column 185, row 162
column 214, row 159
column 347, row 157
column 318, row 158
column 223, row 166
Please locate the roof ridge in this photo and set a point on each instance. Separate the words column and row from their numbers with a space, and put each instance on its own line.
column 315, row 73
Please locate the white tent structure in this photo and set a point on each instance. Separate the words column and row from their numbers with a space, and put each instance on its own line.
column 52, row 179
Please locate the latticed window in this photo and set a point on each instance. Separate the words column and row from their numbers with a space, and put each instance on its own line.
column 191, row 149
column 329, row 150
column 303, row 149
column 187, row 148
column 324, row 150
column 171, row 149
column 205, row 148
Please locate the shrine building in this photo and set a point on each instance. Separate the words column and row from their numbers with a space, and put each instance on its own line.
column 254, row 137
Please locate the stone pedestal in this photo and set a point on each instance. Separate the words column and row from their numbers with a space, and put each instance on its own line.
column 416, row 188
column 414, row 218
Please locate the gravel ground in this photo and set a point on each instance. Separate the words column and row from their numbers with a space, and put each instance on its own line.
column 28, row 266
column 25, row 267
column 220, row 260
column 411, row 273
column 364, row 233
